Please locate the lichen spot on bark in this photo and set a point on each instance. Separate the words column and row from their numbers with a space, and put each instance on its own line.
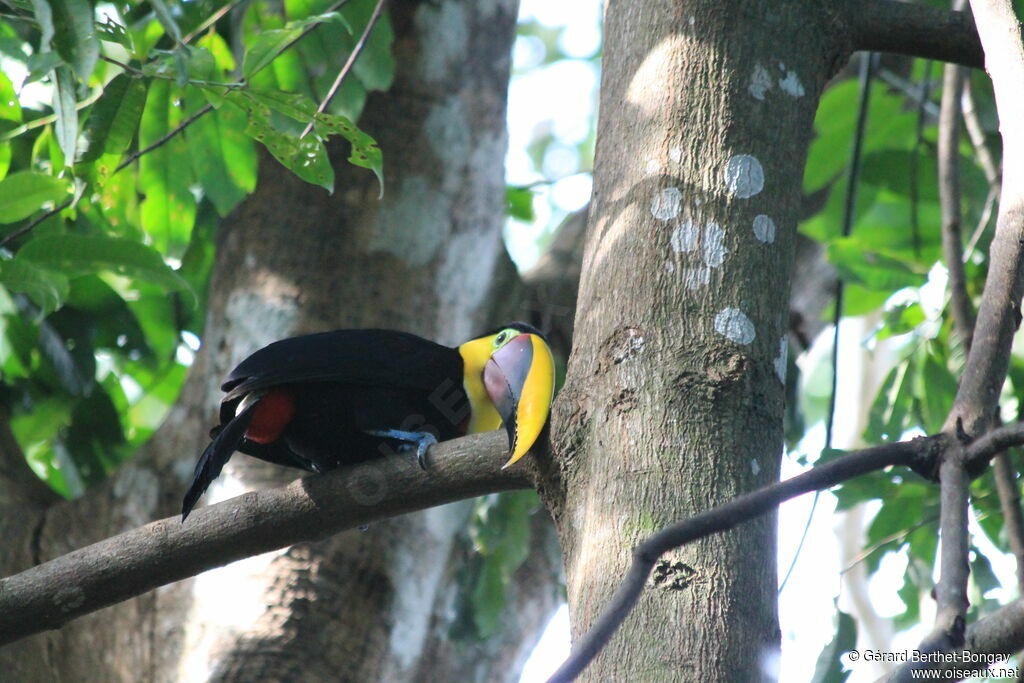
column 735, row 326
column 791, row 84
column 667, row 204
column 684, row 237
column 715, row 250
column 781, row 360
column 744, row 176
column 760, row 82
column 764, row 228
column 68, row 598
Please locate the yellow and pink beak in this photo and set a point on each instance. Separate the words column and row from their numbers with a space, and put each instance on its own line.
column 510, row 379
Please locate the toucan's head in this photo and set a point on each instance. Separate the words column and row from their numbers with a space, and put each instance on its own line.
column 510, row 380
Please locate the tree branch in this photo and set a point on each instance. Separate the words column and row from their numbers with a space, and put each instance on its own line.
column 51, row 594
column 951, row 590
column 916, row 454
column 949, row 200
column 999, row 314
column 915, row 30
column 1013, row 518
column 921, row 455
column 999, row 633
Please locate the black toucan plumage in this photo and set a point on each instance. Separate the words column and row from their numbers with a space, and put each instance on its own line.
column 322, row 400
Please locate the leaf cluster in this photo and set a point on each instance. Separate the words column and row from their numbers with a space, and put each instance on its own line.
column 126, row 132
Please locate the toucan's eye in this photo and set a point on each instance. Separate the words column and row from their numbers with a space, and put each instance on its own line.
column 500, row 339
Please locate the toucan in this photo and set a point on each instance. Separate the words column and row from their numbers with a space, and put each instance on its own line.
column 319, row 401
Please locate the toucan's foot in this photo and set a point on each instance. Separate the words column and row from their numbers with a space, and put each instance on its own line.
column 421, row 440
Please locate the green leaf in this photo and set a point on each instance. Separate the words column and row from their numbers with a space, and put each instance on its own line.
column 163, row 15
column 74, row 254
column 95, row 436
column 890, row 123
column 71, row 370
column 306, row 158
column 44, row 16
column 114, row 118
column 222, row 157
column 872, row 269
column 11, row 45
column 269, row 44
column 64, row 106
column 892, row 520
column 519, row 203
column 109, row 322
column 165, row 174
column 5, row 158
column 863, row 300
column 501, row 534
column 25, row 192
column 891, row 169
column 220, row 50
column 981, row 572
column 46, row 288
column 43, row 421
column 10, row 107
column 113, row 32
column 292, row 105
column 75, row 35
column 901, row 319
column 936, row 388
column 829, row 668
column 40, row 64
column 894, row 401
column 365, row 151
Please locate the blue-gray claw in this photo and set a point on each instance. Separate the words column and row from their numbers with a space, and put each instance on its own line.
column 421, row 440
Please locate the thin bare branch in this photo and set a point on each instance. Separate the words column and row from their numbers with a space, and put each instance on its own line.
column 28, row 227
column 976, row 133
column 51, row 594
column 1009, row 502
column 915, row 30
column 209, row 21
column 166, row 138
column 356, row 51
column 949, row 200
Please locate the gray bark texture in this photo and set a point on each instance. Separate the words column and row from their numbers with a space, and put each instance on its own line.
column 674, row 397
column 428, row 258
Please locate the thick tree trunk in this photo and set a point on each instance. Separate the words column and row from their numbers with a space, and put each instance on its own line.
column 372, row 605
column 674, row 397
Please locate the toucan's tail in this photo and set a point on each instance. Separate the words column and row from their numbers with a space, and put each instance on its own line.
column 216, row 455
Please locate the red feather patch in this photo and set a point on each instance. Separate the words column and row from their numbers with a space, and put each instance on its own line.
column 273, row 414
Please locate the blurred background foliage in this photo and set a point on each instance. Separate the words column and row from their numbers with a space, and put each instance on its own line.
column 126, row 131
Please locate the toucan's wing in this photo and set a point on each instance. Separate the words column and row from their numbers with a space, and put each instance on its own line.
column 372, row 357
